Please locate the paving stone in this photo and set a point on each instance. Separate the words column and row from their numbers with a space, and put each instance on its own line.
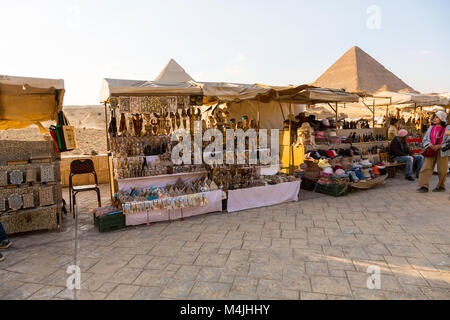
column 187, row 272
column 312, row 296
column 177, row 289
column 266, row 271
column 275, row 289
column 316, row 268
column 123, row 292
column 209, row 274
column 46, row 293
column 23, row 292
column 245, row 285
column 330, row 285
column 147, row 293
column 211, row 260
column 209, row 291
column 154, row 278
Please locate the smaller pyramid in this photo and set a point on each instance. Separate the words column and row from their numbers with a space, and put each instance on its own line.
column 356, row 71
column 173, row 72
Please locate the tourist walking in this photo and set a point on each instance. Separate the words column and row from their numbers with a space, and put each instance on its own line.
column 433, row 142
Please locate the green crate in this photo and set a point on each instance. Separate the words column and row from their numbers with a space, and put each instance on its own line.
column 111, row 222
column 336, row 190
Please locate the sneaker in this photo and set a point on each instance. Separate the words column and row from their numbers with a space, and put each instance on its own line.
column 422, row 190
column 5, row 244
column 410, row 178
column 440, row 189
column 1, row 257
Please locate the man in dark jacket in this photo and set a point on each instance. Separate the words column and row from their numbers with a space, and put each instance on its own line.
column 400, row 152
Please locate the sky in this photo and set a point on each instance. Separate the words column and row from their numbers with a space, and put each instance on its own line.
column 247, row 41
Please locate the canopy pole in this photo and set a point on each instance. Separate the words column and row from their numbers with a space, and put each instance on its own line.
column 336, row 114
column 108, row 149
column 373, row 114
column 282, row 112
column 291, row 148
column 258, row 117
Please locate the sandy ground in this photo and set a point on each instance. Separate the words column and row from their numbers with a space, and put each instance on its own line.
column 90, row 124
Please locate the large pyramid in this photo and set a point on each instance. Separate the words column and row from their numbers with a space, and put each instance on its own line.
column 356, row 71
column 173, row 72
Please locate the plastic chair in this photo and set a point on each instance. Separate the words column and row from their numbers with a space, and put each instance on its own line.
column 77, row 167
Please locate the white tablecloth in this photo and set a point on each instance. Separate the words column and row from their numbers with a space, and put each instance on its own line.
column 257, row 197
column 159, row 181
column 214, row 205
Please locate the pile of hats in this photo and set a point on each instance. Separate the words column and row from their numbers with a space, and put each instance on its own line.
column 332, row 175
column 332, row 153
column 364, row 171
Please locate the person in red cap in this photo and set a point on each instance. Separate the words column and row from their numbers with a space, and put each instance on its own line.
column 400, row 152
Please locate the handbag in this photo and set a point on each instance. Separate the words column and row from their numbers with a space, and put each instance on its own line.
column 430, row 153
column 65, row 133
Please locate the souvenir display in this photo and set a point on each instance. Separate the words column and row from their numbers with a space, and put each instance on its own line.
column 124, row 104
column 15, row 202
column 135, row 105
column 31, row 175
column 114, row 102
column 46, row 196
column 28, row 200
column 3, row 178
column 47, row 173
column 177, row 196
column 2, row 205
column 16, row 177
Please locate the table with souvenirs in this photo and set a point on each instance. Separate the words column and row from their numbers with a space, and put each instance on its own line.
column 150, row 187
column 340, row 158
column 30, row 186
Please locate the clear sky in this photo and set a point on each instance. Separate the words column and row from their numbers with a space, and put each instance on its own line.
column 272, row 42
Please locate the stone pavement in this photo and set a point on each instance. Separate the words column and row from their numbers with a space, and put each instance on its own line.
column 317, row 248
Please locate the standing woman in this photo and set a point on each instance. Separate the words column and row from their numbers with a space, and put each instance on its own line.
column 434, row 139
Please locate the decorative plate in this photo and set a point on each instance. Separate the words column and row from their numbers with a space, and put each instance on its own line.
column 15, row 201
column 16, row 177
column 47, row 173
column 46, row 196
column 28, row 200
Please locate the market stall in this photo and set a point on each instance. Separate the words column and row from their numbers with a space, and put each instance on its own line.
column 30, row 181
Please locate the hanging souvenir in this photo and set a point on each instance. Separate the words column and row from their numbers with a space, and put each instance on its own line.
column 46, row 197
column 15, row 201
column 16, row 177
column 196, row 100
column 124, row 104
column 135, row 105
column 172, row 103
column 28, row 200
column 47, row 173
column 113, row 102
column 113, row 125
column 137, row 124
column 123, row 123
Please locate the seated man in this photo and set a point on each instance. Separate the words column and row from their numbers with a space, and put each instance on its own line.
column 399, row 151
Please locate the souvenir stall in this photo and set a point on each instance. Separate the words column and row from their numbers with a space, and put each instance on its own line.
column 30, row 182
column 145, row 182
column 148, row 186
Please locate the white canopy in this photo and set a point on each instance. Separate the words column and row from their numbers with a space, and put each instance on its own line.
column 400, row 98
column 25, row 101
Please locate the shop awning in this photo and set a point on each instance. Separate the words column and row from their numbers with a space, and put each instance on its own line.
column 26, row 101
column 385, row 98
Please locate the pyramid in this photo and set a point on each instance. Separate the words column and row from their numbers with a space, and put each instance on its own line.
column 356, row 71
column 173, row 72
